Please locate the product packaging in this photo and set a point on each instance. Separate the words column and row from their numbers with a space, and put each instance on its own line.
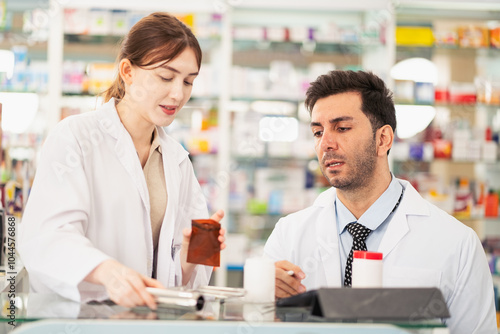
column 404, row 91
column 259, row 280
column 472, row 36
column 204, row 245
column 463, row 199
column 424, row 93
column 442, row 148
column 367, row 269
column 491, row 205
column 414, row 36
column 489, row 147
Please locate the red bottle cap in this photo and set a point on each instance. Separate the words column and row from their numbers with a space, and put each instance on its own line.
column 367, row 255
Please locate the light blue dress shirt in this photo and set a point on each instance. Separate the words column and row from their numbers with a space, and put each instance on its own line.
column 376, row 218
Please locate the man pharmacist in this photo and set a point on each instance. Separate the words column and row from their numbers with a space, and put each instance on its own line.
column 353, row 122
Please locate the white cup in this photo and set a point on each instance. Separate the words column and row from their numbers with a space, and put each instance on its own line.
column 259, row 280
column 367, row 269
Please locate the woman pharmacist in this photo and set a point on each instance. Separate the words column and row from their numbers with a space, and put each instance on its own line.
column 111, row 205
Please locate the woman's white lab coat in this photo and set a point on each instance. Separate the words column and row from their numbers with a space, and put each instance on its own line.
column 89, row 202
column 422, row 247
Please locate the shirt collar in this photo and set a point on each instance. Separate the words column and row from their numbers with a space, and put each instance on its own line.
column 376, row 214
column 155, row 142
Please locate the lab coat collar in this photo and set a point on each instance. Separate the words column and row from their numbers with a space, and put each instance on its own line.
column 171, row 148
column 109, row 120
column 326, row 198
column 411, row 204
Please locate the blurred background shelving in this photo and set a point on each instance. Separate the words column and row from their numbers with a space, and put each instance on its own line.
column 246, row 127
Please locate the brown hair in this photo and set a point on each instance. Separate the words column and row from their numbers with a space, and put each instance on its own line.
column 158, row 37
column 376, row 99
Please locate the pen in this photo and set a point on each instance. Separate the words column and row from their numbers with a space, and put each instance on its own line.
column 290, row 272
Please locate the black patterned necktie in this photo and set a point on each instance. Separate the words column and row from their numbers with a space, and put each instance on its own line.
column 359, row 234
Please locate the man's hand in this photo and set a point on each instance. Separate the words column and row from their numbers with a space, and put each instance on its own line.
column 288, row 285
column 125, row 286
column 187, row 268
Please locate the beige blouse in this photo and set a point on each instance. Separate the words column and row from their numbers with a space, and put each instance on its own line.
column 157, row 189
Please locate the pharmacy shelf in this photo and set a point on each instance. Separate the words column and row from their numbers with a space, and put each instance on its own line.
column 456, row 66
column 296, row 59
column 304, row 47
column 426, row 52
column 104, row 48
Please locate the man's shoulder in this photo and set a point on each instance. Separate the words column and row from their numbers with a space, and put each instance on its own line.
column 441, row 219
column 421, row 211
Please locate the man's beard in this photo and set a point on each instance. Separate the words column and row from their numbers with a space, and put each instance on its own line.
column 362, row 168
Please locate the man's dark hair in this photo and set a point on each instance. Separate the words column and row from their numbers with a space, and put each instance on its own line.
column 376, row 99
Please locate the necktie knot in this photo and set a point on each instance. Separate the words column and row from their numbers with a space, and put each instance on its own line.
column 359, row 232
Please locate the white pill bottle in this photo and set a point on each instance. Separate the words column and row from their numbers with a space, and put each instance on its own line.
column 259, row 280
column 367, row 269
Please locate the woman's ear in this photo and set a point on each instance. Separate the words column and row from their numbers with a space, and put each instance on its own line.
column 126, row 71
column 385, row 137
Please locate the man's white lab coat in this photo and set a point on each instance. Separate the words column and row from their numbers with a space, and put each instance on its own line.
column 422, row 247
column 90, row 202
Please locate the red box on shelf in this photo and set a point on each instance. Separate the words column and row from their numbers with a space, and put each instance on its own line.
column 442, row 149
column 441, row 95
column 463, row 98
column 462, row 92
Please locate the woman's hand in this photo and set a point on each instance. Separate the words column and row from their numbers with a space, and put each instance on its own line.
column 187, row 268
column 125, row 286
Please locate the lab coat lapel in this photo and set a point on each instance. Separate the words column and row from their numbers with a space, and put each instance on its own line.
column 328, row 241
column 172, row 158
column 126, row 153
column 411, row 204
column 397, row 229
column 125, row 150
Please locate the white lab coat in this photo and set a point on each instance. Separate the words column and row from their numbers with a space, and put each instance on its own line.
column 89, row 202
column 422, row 247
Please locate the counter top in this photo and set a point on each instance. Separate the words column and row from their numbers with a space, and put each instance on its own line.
column 50, row 313
column 212, row 327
